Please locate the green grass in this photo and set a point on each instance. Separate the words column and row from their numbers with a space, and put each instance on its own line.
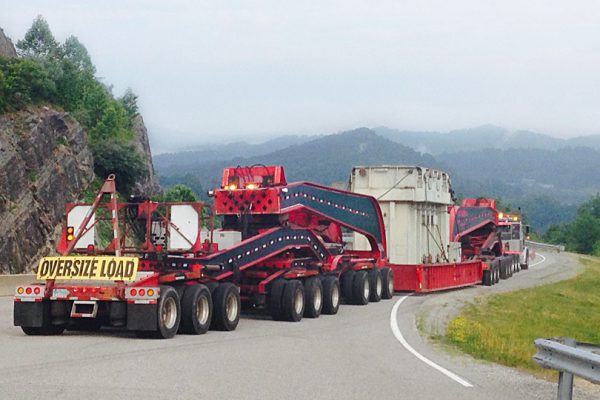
column 503, row 327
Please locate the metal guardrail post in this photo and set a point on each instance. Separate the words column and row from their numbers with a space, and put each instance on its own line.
column 565, row 379
column 569, row 358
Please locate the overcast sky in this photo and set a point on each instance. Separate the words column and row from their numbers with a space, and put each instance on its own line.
column 212, row 71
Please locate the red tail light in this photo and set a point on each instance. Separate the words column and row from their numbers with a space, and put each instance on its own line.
column 28, row 290
column 37, row 290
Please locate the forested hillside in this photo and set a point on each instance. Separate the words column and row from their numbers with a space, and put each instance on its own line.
column 61, row 133
column 325, row 160
column 547, row 184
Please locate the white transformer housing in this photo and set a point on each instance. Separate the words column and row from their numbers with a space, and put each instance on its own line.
column 414, row 202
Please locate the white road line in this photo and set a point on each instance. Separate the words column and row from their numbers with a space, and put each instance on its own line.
column 403, row 342
column 539, row 262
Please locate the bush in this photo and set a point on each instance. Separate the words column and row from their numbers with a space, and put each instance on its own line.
column 121, row 159
column 24, row 82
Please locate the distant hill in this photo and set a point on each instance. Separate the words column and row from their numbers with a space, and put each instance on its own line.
column 482, row 137
column 569, row 175
column 170, row 162
column 325, row 160
column 546, row 178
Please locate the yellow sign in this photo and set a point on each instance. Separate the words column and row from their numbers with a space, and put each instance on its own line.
column 105, row 268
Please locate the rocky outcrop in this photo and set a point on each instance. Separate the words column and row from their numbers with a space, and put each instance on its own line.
column 45, row 163
column 6, row 46
column 149, row 186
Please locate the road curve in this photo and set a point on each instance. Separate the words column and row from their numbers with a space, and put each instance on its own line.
column 352, row 355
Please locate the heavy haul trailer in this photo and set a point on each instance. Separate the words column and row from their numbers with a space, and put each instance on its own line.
column 415, row 203
column 476, row 225
column 157, row 276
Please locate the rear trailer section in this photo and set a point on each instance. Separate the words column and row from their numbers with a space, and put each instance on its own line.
column 150, row 311
column 423, row 278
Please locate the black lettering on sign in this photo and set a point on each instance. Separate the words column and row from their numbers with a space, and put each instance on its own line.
column 67, row 269
column 129, row 269
column 112, row 266
column 75, row 269
column 44, row 268
column 85, row 267
column 103, row 269
column 93, row 267
column 59, row 268
column 119, row 272
column 52, row 268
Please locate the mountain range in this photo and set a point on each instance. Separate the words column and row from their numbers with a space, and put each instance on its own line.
column 546, row 176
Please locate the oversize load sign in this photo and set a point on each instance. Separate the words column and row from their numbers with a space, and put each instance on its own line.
column 88, row 268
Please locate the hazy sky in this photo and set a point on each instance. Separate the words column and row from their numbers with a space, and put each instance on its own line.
column 209, row 71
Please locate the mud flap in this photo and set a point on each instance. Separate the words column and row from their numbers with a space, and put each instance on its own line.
column 142, row 317
column 30, row 314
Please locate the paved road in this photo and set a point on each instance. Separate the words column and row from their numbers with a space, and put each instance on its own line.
column 353, row 355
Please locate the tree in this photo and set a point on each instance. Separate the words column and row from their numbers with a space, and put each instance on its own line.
column 76, row 53
column 129, row 103
column 179, row 193
column 39, row 41
column 115, row 157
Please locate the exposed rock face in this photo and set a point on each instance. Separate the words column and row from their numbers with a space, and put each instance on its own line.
column 6, row 46
column 149, row 186
column 45, row 163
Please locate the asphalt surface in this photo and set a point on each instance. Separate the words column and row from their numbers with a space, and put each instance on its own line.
column 352, row 355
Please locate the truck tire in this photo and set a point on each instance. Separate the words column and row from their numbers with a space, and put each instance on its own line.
column 331, row 295
column 168, row 312
column 293, row 301
column 275, row 298
column 526, row 264
column 346, row 283
column 503, row 270
column 196, row 310
column 488, row 277
column 226, row 307
column 376, row 285
column 496, row 273
column 361, row 289
column 313, row 294
column 387, row 282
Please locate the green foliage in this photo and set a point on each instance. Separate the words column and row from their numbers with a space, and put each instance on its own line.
column 129, row 103
column 504, row 327
column 179, row 193
column 121, row 159
column 76, row 53
column 189, row 180
column 582, row 235
column 63, row 74
column 39, row 41
column 23, row 82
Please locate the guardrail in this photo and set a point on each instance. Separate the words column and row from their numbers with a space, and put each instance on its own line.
column 9, row 282
column 557, row 248
column 569, row 358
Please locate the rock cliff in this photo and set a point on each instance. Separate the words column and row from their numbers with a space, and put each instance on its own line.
column 6, row 46
column 45, row 162
column 149, row 186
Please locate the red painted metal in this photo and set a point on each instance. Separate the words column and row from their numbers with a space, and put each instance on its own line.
column 422, row 278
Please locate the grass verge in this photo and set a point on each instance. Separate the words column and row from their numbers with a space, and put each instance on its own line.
column 503, row 327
